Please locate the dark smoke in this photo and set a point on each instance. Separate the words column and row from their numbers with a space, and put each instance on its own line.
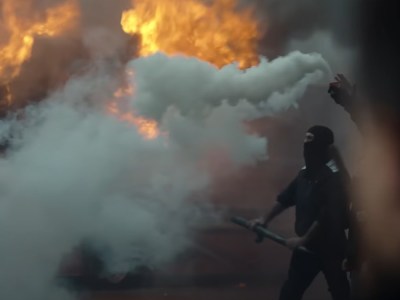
column 300, row 19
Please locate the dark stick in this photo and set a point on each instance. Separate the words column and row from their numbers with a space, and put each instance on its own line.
column 264, row 233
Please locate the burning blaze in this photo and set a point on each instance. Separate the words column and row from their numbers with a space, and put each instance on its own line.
column 21, row 32
column 217, row 33
column 146, row 127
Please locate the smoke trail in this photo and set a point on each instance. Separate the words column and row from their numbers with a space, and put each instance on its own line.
column 194, row 87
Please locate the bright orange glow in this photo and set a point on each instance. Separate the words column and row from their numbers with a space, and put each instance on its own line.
column 22, row 31
column 146, row 127
column 217, row 33
column 8, row 96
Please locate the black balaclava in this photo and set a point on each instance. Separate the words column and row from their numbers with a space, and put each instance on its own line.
column 317, row 152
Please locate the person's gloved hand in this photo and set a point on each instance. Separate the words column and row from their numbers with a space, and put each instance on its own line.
column 257, row 222
column 342, row 91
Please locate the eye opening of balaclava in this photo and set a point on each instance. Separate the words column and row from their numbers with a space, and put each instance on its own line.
column 317, row 149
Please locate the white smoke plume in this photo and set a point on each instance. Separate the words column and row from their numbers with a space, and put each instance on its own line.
column 163, row 82
column 76, row 173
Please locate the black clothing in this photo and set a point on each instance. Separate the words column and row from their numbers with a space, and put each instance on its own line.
column 315, row 156
column 354, row 241
column 305, row 267
column 321, row 199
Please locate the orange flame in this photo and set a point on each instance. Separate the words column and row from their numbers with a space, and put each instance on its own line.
column 22, row 32
column 8, row 96
column 146, row 127
column 217, row 33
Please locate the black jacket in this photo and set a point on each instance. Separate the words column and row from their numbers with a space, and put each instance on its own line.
column 323, row 199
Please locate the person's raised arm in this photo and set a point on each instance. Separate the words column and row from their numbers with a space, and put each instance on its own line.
column 344, row 94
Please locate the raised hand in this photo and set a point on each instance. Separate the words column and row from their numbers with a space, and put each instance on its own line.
column 342, row 91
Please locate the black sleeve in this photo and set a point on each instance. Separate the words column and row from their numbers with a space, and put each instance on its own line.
column 287, row 197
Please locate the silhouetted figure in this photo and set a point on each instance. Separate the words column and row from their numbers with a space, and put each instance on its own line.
column 319, row 195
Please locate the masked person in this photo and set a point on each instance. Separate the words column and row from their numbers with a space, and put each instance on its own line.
column 319, row 195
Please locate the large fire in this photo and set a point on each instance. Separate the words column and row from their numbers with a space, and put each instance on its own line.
column 22, row 31
column 217, row 33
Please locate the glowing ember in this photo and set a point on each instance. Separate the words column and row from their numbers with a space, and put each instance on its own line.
column 22, row 32
column 216, row 33
column 146, row 127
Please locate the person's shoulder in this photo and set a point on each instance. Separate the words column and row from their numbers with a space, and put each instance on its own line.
column 329, row 169
column 301, row 173
column 332, row 167
column 335, row 176
column 331, row 174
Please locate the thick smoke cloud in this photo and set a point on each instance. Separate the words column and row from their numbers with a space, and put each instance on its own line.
column 75, row 173
column 272, row 85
